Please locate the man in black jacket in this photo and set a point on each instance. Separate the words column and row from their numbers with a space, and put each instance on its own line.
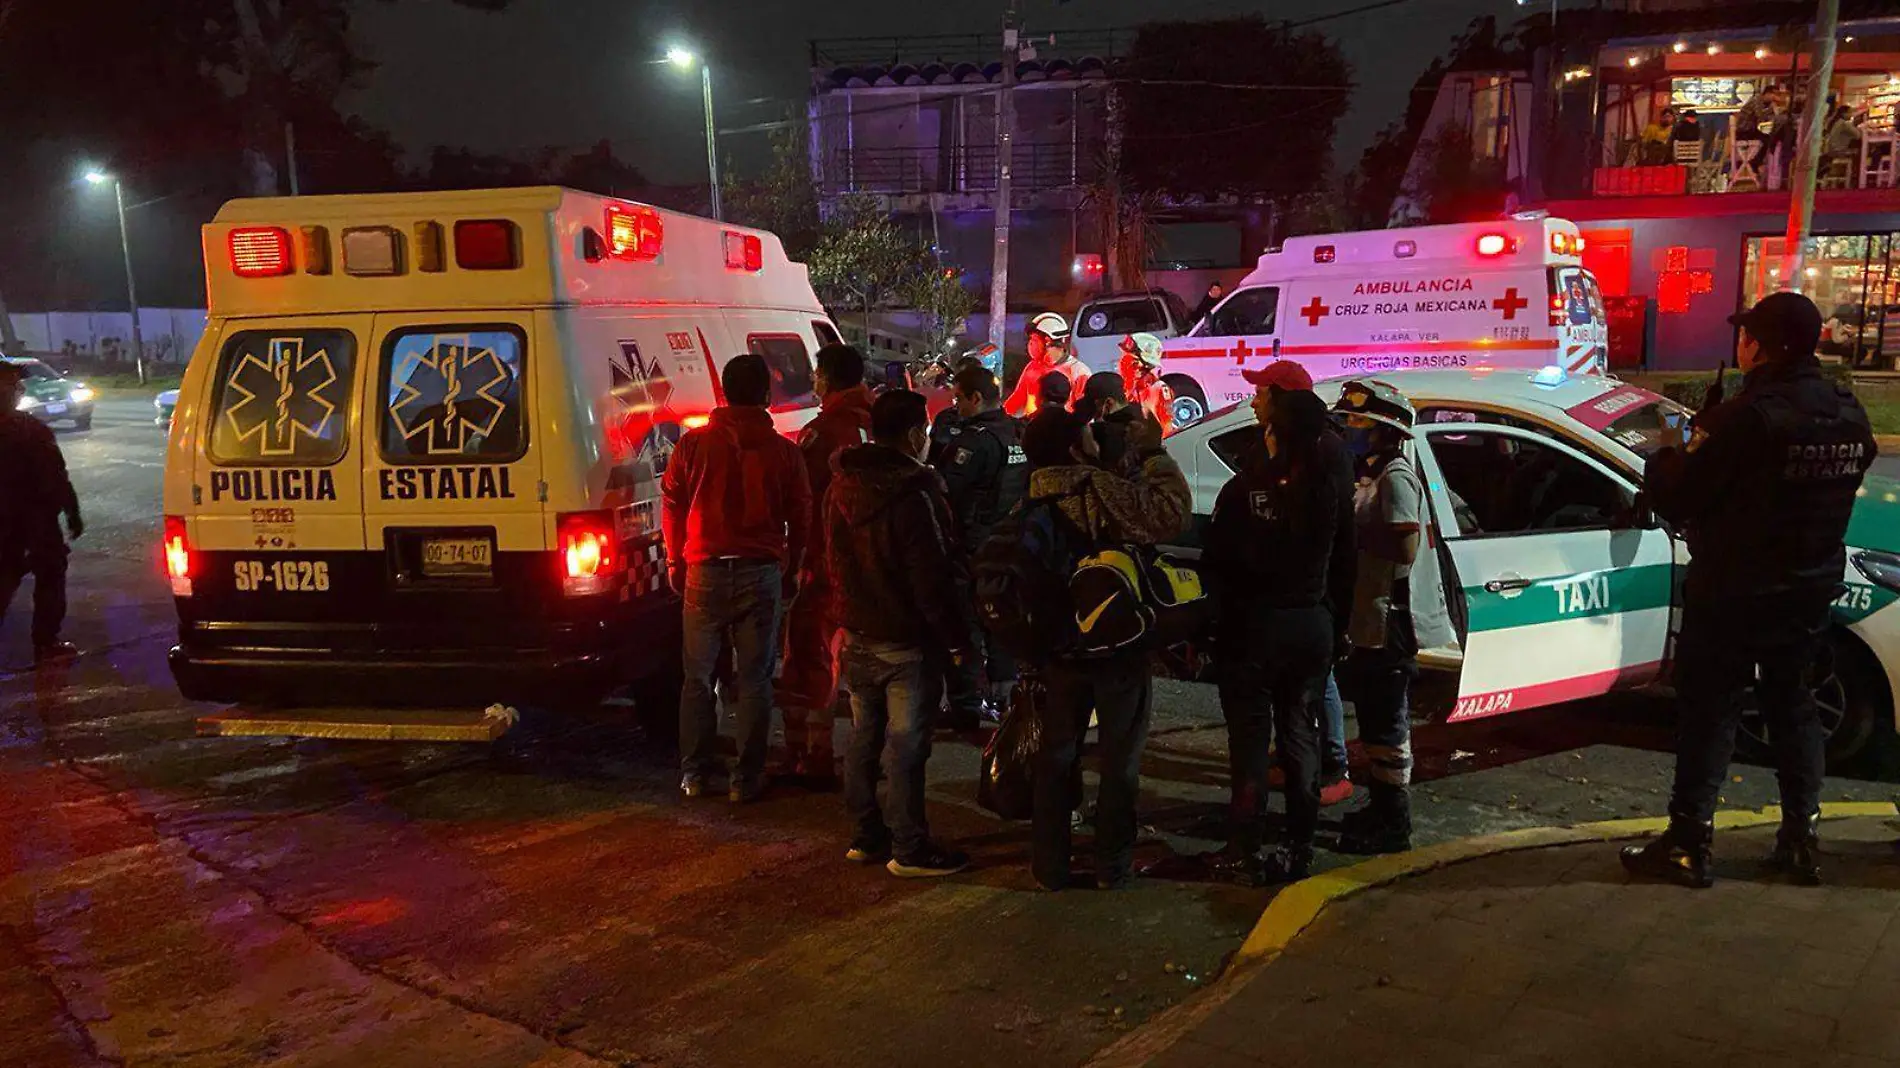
column 1280, row 553
column 985, row 473
column 1763, row 488
column 897, row 572
column 34, row 493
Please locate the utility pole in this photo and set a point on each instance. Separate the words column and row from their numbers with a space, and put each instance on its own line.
column 290, row 155
column 1807, row 156
column 131, row 285
column 712, row 137
column 1005, row 146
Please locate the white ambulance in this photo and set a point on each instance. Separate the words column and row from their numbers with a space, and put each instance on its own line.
column 1507, row 293
column 416, row 455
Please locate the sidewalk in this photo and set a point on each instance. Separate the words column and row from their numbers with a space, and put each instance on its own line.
column 1554, row 956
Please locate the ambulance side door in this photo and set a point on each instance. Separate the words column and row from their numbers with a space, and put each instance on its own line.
column 1243, row 332
column 1564, row 595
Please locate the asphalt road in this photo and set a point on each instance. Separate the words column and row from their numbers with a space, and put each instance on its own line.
column 548, row 899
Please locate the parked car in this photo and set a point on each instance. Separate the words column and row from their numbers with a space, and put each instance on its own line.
column 52, row 398
column 1100, row 325
column 1547, row 581
column 165, row 403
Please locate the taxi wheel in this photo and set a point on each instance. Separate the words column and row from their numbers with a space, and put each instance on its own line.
column 1850, row 694
column 1190, row 402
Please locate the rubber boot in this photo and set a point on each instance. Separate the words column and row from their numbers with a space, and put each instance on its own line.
column 1681, row 854
column 1797, row 852
column 1383, row 826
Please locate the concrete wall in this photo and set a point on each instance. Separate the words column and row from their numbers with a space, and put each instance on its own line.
column 169, row 334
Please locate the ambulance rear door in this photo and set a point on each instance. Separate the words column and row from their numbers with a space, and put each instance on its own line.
column 1563, row 595
column 1576, row 312
column 453, row 473
column 277, row 487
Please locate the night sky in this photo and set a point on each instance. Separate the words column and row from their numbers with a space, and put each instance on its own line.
column 570, row 72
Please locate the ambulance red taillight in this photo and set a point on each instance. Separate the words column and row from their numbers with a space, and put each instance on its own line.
column 1490, row 245
column 260, row 251
column 744, row 252
column 178, row 558
column 634, row 233
column 589, row 557
column 486, row 245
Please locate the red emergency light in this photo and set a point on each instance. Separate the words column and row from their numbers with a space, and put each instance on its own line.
column 1493, row 244
column 486, row 245
column 588, row 556
column 634, row 233
column 1557, row 309
column 744, row 252
column 178, row 560
column 1324, row 254
column 260, row 251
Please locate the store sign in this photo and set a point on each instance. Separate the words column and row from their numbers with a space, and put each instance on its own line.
column 1681, row 273
column 1712, row 94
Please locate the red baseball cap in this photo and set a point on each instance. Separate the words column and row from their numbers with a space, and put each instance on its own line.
column 1281, row 374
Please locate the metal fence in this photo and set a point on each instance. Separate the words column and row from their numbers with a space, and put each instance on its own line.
column 962, row 169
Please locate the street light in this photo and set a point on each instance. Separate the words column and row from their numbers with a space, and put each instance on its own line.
column 95, row 176
column 684, row 59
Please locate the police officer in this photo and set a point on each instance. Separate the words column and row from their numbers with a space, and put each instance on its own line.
column 986, row 473
column 34, row 493
column 1279, row 550
column 1763, row 487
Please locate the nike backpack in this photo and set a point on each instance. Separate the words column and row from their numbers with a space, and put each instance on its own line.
column 1021, row 578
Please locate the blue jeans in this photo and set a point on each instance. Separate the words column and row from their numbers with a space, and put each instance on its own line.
column 1333, row 732
column 893, row 693
column 737, row 599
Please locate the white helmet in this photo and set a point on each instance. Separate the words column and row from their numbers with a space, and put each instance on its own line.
column 1051, row 325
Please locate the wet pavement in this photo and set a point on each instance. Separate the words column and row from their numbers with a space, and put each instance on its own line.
column 547, row 899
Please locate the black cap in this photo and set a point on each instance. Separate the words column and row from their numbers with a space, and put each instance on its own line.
column 1105, row 385
column 1785, row 323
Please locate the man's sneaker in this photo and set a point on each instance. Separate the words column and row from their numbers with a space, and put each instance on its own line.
column 745, row 791
column 862, row 852
column 692, row 785
column 1336, row 792
column 56, row 653
column 932, row 861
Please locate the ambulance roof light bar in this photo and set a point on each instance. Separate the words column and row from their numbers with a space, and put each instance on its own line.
column 260, row 251
column 634, row 233
column 1495, row 244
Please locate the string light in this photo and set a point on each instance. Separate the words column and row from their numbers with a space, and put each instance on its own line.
column 1714, row 49
column 1633, row 61
column 1683, row 46
column 1761, row 53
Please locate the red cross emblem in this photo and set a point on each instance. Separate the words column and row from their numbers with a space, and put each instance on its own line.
column 1510, row 303
column 1240, row 351
column 1316, row 311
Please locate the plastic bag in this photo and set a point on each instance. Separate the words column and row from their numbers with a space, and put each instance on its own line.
column 1007, row 785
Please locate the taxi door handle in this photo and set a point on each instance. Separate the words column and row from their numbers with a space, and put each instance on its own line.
column 1500, row 585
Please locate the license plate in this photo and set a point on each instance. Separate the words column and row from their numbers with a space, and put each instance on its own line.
column 56, row 409
column 444, row 557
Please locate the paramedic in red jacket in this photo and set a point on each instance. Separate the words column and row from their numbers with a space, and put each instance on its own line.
column 737, row 512
column 1048, row 345
column 808, row 685
column 1141, row 379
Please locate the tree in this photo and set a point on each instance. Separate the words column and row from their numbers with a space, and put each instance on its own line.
column 1451, row 183
column 944, row 301
column 1264, row 131
column 862, row 257
column 784, row 199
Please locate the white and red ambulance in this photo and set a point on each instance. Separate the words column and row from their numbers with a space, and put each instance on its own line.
column 416, row 454
column 1506, row 293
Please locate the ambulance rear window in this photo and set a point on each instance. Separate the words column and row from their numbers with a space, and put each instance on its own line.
column 283, row 397
column 453, row 394
column 790, row 364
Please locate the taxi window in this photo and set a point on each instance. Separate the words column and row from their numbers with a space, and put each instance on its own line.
column 789, row 363
column 1247, row 312
column 1640, row 421
column 283, row 397
column 453, row 393
column 1503, row 484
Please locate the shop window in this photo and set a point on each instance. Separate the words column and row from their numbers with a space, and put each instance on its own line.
column 1852, row 278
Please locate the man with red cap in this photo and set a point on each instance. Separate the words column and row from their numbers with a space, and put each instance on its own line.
column 1280, row 554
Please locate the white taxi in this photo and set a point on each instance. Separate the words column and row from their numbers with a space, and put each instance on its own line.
column 1545, row 581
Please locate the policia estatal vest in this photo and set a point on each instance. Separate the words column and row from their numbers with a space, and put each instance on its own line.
column 1762, row 488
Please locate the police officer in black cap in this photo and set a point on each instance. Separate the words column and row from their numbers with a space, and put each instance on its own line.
column 34, row 493
column 1762, row 487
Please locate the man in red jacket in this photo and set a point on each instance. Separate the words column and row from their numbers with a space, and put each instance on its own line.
column 737, row 513
column 808, row 685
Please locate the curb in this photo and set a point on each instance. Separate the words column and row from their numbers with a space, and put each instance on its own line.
column 1888, row 444
column 1295, row 908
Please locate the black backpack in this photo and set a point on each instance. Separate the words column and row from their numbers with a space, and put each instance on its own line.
column 1021, row 580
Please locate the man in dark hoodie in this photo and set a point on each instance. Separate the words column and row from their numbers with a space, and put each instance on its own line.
column 1149, row 507
column 897, row 570
column 737, row 513
column 808, row 685
column 985, row 473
